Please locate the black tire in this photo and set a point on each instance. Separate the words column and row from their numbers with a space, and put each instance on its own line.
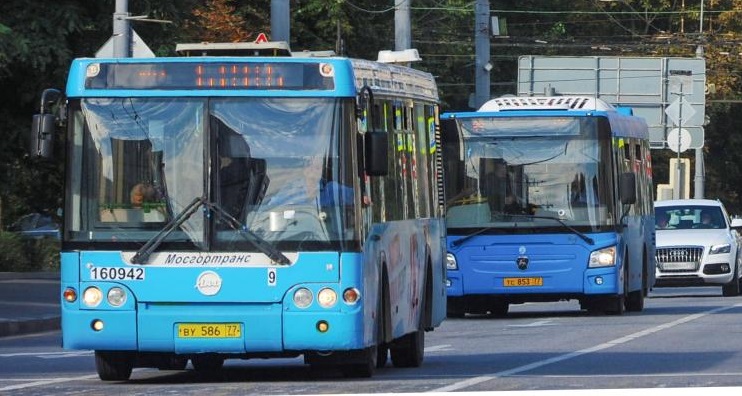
column 499, row 309
column 732, row 288
column 409, row 351
column 114, row 365
column 207, row 363
column 366, row 368
column 635, row 299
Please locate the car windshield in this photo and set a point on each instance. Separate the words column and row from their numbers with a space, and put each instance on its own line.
column 689, row 217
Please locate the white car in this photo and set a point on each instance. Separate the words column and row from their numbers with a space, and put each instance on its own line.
column 697, row 245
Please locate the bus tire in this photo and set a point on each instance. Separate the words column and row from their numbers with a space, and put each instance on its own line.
column 207, row 362
column 114, row 365
column 365, row 368
column 409, row 350
column 499, row 309
column 635, row 299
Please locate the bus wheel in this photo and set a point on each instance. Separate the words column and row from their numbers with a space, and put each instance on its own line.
column 207, row 362
column 409, row 351
column 499, row 309
column 635, row 299
column 364, row 369
column 114, row 365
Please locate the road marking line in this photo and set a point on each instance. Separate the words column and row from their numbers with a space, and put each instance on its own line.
column 528, row 367
column 47, row 354
column 437, row 348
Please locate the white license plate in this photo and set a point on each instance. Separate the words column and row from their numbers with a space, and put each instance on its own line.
column 679, row 266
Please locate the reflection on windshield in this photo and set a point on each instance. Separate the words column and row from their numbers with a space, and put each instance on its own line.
column 275, row 167
column 503, row 177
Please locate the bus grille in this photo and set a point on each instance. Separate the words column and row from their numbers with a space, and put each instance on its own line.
column 679, row 259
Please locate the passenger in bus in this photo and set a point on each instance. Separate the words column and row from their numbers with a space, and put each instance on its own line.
column 141, row 193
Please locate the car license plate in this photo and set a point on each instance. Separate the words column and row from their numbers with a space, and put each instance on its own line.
column 519, row 282
column 209, row 330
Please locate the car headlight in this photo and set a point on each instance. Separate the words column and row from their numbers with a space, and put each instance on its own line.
column 602, row 258
column 718, row 249
column 451, row 262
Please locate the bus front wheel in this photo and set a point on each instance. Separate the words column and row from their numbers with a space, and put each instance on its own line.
column 114, row 365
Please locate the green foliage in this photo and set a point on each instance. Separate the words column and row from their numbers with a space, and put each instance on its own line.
column 27, row 255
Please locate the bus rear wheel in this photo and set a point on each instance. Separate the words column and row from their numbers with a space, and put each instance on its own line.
column 114, row 365
column 207, row 362
column 409, row 351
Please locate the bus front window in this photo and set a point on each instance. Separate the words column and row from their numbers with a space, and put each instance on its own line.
column 503, row 176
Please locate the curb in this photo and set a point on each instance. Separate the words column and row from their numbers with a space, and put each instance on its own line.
column 19, row 327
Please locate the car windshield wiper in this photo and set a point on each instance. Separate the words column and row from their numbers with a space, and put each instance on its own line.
column 565, row 225
column 145, row 251
column 260, row 243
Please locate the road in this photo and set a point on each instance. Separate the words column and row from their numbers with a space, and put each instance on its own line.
column 685, row 338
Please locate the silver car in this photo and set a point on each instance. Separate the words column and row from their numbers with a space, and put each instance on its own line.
column 697, row 245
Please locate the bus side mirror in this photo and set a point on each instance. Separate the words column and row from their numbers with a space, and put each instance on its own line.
column 42, row 135
column 43, row 126
column 376, row 153
column 628, row 188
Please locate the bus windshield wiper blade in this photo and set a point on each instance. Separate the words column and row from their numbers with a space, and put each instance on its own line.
column 469, row 236
column 565, row 225
column 145, row 251
column 260, row 243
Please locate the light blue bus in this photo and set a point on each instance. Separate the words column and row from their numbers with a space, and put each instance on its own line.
column 231, row 206
column 548, row 199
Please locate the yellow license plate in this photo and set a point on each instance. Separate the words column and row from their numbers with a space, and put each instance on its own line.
column 209, row 330
column 519, row 282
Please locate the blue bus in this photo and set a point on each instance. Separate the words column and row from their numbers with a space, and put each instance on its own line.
column 239, row 202
column 548, row 199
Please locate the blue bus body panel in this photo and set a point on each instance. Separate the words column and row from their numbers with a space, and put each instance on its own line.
column 168, row 296
column 560, row 259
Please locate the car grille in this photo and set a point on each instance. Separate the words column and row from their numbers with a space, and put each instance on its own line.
column 679, row 259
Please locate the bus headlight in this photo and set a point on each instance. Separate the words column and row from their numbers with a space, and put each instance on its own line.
column 92, row 296
column 327, row 297
column 116, row 296
column 451, row 262
column 603, row 258
column 303, row 297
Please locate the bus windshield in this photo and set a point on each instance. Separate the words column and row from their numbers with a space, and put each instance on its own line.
column 272, row 164
column 515, row 173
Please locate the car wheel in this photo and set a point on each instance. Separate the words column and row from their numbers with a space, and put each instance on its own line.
column 732, row 288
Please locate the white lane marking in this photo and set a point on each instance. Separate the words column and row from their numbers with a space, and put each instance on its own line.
column 538, row 323
column 478, row 380
column 47, row 354
column 47, row 382
column 438, row 348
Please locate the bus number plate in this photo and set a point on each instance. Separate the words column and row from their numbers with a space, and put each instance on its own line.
column 519, row 282
column 209, row 330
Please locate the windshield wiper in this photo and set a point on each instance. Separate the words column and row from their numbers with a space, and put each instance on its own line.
column 260, row 243
column 145, row 251
column 565, row 225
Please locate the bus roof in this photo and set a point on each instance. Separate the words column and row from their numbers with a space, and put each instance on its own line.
column 300, row 75
column 621, row 119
